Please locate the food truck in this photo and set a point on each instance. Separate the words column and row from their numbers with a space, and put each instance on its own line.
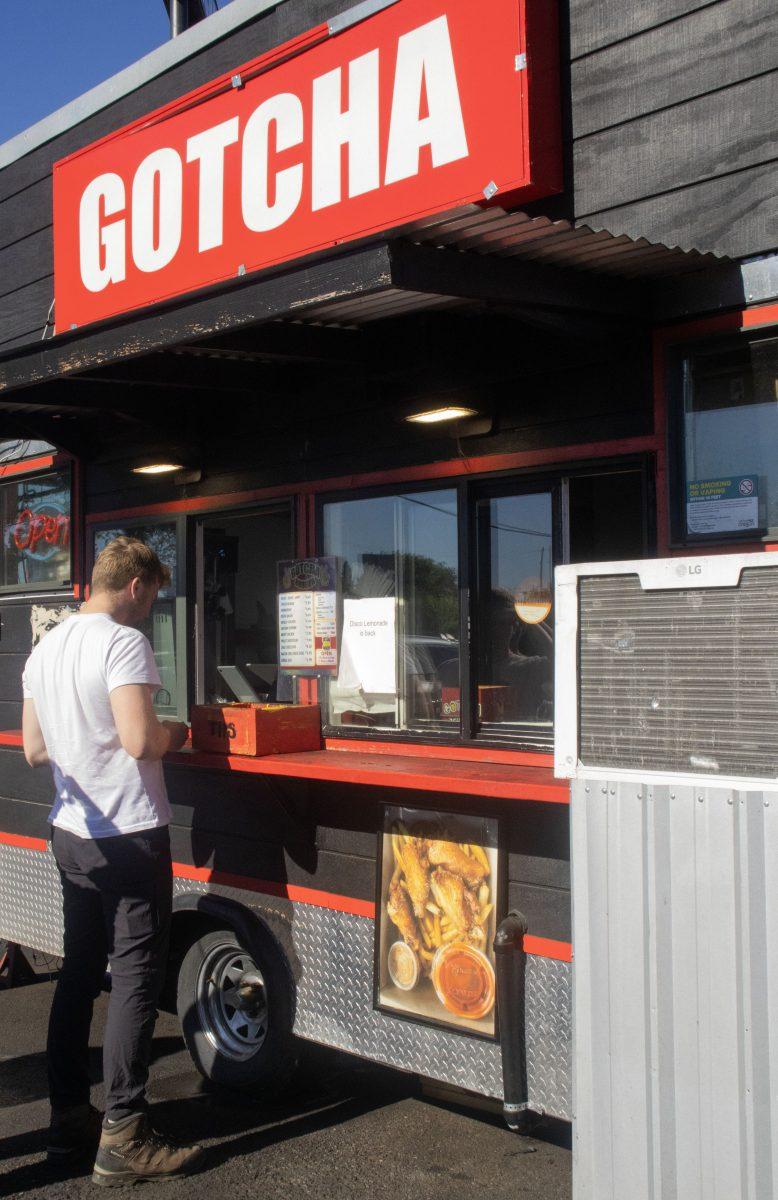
column 365, row 319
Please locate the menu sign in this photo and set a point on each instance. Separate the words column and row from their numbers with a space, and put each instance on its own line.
column 436, row 918
column 308, row 615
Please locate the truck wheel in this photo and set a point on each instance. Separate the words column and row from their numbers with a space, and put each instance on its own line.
column 235, row 1008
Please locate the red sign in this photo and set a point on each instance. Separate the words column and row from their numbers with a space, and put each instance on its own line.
column 46, row 525
column 426, row 106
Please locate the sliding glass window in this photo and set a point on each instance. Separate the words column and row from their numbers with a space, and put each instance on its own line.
column 166, row 625
column 399, row 660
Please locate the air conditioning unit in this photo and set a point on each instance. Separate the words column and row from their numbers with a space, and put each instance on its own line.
column 667, row 670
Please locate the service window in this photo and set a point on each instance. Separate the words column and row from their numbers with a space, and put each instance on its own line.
column 237, row 641
column 517, row 549
column 729, row 431
column 166, row 625
column 35, row 514
column 399, row 656
column 447, row 616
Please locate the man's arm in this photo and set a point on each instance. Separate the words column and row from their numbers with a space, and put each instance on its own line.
column 141, row 733
column 32, row 736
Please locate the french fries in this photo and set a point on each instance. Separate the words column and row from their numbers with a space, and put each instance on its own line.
column 465, row 919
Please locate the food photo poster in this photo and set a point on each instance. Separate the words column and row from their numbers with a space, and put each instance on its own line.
column 438, row 893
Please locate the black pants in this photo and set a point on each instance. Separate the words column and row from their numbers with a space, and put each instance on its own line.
column 117, row 895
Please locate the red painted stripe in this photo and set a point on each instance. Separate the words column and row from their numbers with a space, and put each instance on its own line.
column 27, row 465
column 322, row 765
column 510, row 758
column 288, row 891
column 25, row 843
column 452, row 469
column 544, row 947
column 548, row 948
column 496, row 783
column 731, row 322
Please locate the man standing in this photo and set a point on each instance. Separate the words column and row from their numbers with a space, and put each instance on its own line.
column 88, row 688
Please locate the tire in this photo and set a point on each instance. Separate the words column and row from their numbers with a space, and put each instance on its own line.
column 243, row 1039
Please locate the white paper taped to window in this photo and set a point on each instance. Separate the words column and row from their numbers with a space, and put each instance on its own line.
column 369, row 655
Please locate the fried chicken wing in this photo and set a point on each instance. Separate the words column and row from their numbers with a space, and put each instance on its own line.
column 400, row 912
column 416, row 873
column 459, row 905
column 452, row 856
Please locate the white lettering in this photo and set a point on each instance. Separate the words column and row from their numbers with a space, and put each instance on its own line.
column 356, row 128
column 101, row 247
column 258, row 213
column 208, row 148
column 424, row 62
column 157, row 193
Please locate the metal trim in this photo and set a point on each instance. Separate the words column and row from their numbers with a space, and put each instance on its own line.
column 168, row 55
column 352, row 16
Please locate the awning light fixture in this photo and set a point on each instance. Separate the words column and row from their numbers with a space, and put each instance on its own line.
column 448, row 412
column 156, row 468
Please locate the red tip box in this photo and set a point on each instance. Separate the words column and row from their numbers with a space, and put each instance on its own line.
column 256, row 729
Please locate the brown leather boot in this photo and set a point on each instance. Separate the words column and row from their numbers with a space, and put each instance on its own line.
column 133, row 1152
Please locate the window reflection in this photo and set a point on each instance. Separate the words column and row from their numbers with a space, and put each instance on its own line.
column 36, row 531
column 515, row 675
column 239, row 578
column 730, row 431
column 161, row 625
column 399, row 663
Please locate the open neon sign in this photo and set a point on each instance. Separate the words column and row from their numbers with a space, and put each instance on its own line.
column 40, row 533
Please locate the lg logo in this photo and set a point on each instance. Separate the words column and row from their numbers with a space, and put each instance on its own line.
column 688, row 569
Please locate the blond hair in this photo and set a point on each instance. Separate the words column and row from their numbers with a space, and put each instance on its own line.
column 123, row 560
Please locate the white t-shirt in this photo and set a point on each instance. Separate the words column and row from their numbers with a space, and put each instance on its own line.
column 101, row 790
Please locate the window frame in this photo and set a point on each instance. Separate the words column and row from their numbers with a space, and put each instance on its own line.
column 678, row 355
column 557, row 487
column 180, row 599
column 556, row 480
column 195, row 580
column 18, row 473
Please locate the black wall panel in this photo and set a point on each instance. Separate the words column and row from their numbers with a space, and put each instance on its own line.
column 597, row 23
column 727, row 42
column 315, row 835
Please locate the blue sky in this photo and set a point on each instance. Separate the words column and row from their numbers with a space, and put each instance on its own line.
column 54, row 50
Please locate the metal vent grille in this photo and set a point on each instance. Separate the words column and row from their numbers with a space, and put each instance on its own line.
column 682, row 680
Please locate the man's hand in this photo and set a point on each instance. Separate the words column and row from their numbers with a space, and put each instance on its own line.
column 141, row 733
column 179, row 732
column 32, row 737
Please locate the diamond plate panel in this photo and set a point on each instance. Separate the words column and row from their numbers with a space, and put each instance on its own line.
column 549, row 1001
column 30, row 899
column 331, row 957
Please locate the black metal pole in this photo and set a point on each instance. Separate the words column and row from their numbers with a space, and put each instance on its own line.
column 511, row 963
column 177, row 17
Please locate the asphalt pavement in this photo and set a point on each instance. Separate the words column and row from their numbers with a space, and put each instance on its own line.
column 349, row 1131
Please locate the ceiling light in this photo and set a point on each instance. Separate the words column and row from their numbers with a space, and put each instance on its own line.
column 156, row 468
column 449, row 412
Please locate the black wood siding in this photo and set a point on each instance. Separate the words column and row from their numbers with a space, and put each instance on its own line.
column 318, row 835
column 669, row 110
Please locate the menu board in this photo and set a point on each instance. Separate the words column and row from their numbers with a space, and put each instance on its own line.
column 308, row 615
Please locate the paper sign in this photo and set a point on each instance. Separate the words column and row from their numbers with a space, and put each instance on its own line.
column 723, row 505
column 369, row 654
